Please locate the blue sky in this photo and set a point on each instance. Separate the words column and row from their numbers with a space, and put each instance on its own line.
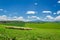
column 30, row 9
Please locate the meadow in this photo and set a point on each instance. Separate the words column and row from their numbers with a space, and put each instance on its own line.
column 40, row 31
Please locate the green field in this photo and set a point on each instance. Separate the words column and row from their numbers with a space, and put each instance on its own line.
column 40, row 31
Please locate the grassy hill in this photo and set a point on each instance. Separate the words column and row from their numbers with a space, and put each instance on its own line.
column 40, row 31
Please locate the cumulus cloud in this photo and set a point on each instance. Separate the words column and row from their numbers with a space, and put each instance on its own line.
column 54, row 13
column 58, row 1
column 14, row 18
column 1, row 9
column 30, row 12
column 17, row 18
column 34, row 17
column 20, row 18
column 47, row 12
column 48, row 18
column 58, row 12
column 57, row 18
column 36, row 3
column 30, row 18
column 6, row 18
column 3, row 17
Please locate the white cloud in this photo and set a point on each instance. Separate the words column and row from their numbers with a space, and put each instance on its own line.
column 14, row 17
column 30, row 18
column 27, row 20
column 36, row 3
column 57, row 18
column 58, row 12
column 20, row 18
column 34, row 17
column 30, row 12
column 54, row 13
column 58, row 1
column 3, row 17
column 48, row 18
column 47, row 12
column 1, row 9
column 6, row 18
column 38, row 18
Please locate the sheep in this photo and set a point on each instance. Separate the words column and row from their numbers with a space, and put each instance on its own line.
column 20, row 28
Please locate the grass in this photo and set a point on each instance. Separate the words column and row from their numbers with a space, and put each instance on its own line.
column 45, row 31
column 44, row 25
